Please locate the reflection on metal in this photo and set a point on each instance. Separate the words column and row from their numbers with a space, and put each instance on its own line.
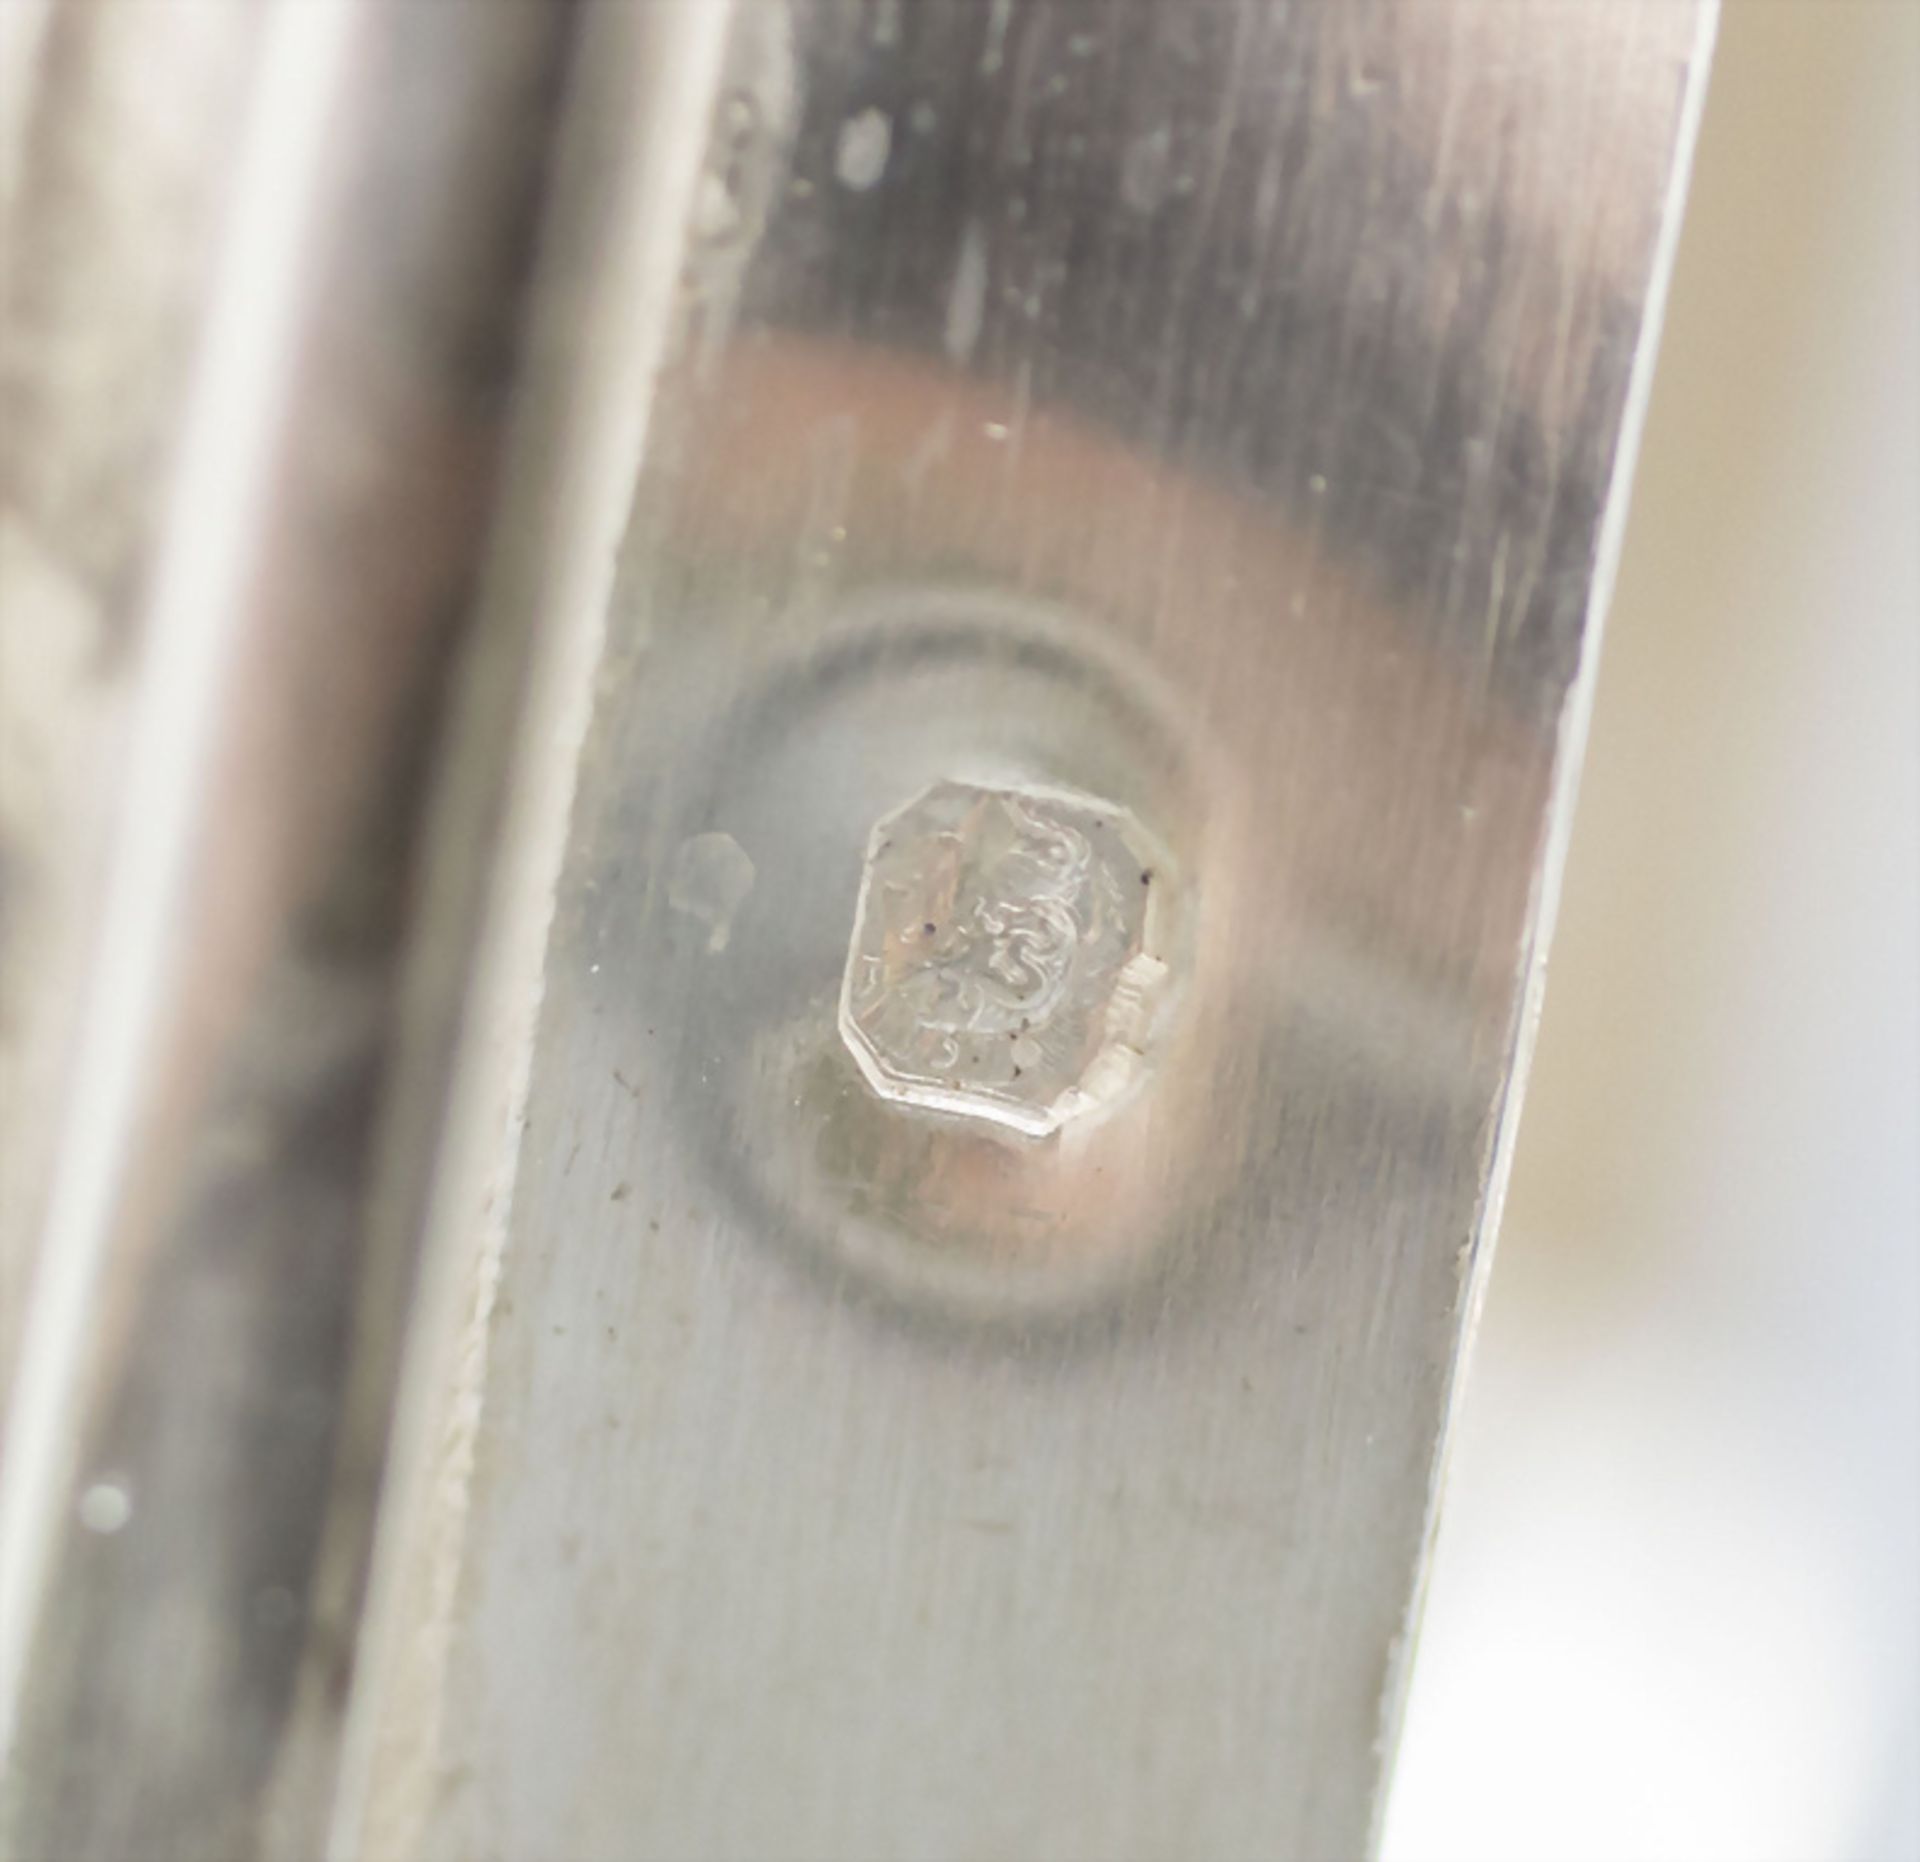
column 889, row 1208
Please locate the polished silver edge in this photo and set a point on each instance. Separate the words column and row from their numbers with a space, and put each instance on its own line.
column 1576, row 716
column 643, row 86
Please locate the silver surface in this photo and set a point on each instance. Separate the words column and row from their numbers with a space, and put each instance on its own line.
column 1216, row 410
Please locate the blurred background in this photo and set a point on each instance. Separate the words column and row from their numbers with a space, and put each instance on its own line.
column 1676, row 1610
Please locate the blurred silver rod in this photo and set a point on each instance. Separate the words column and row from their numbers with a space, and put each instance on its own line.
column 194, row 627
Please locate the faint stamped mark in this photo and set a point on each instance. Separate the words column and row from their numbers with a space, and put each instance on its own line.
column 1009, row 958
column 709, row 880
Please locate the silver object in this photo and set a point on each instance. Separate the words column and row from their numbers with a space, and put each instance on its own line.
column 1217, row 413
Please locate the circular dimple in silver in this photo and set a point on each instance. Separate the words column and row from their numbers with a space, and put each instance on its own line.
column 949, row 1197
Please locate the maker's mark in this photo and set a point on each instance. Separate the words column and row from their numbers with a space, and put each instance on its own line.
column 1009, row 955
